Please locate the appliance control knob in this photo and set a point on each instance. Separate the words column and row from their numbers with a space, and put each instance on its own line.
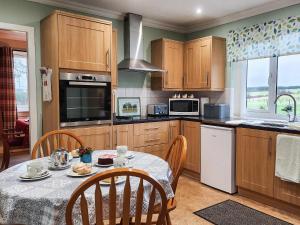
column 94, row 78
column 78, row 77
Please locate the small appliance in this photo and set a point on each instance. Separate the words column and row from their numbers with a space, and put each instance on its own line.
column 203, row 101
column 160, row 109
column 216, row 111
column 183, row 106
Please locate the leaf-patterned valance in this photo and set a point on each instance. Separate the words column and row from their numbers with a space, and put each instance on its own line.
column 273, row 38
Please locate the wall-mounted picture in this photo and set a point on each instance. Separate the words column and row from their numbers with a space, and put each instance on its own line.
column 129, row 106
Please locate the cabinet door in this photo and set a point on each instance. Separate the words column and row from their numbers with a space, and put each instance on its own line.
column 255, row 160
column 95, row 137
column 173, row 64
column 174, row 130
column 123, row 135
column 191, row 130
column 205, row 64
column 192, row 65
column 84, row 44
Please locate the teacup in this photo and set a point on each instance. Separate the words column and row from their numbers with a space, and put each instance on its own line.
column 122, row 150
column 34, row 169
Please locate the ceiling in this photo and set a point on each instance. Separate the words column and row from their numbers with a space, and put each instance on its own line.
column 179, row 15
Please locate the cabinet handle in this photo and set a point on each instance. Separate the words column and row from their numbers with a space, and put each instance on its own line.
column 150, row 140
column 270, row 147
column 166, row 77
column 107, row 60
column 207, row 75
column 152, row 128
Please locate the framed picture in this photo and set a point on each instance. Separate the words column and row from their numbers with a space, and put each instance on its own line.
column 129, row 106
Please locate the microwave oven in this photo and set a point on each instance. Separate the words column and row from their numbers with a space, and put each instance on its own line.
column 183, row 106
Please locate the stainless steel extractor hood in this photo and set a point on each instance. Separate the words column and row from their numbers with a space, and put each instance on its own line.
column 133, row 46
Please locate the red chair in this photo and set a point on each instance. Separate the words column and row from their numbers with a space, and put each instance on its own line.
column 13, row 138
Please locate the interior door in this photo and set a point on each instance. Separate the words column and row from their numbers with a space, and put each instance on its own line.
column 84, row 44
column 173, row 64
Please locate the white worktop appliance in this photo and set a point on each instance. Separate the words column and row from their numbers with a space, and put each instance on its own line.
column 218, row 157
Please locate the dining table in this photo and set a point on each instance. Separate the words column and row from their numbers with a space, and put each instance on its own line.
column 43, row 202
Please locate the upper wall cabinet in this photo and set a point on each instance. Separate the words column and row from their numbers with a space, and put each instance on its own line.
column 194, row 65
column 84, row 43
column 168, row 55
column 204, row 64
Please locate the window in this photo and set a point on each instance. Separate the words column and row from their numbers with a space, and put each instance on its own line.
column 21, row 80
column 258, row 71
column 288, row 81
column 268, row 78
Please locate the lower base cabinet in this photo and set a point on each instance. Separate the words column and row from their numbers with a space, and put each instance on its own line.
column 123, row 135
column 255, row 166
column 97, row 137
column 158, row 150
column 191, row 130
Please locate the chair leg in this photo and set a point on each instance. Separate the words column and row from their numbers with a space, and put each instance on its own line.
column 168, row 219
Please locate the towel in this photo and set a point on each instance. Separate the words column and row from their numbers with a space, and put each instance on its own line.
column 287, row 166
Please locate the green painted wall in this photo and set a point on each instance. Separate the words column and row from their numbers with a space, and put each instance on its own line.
column 223, row 30
column 27, row 13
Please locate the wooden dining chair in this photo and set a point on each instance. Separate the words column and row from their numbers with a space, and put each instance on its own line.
column 54, row 140
column 125, row 218
column 175, row 157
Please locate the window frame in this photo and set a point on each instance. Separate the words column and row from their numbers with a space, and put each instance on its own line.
column 272, row 81
column 23, row 54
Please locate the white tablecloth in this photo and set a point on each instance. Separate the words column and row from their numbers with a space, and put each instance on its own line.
column 44, row 202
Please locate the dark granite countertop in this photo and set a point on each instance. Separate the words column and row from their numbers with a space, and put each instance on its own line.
column 207, row 121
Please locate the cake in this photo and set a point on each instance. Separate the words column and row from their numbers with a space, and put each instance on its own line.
column 82, row 169
column 106, row 159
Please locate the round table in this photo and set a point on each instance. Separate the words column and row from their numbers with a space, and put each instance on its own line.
column 44, row 201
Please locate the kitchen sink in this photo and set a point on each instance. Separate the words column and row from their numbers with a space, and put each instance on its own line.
column 274, row 124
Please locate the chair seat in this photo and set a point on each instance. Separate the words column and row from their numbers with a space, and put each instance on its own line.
column 15, row 141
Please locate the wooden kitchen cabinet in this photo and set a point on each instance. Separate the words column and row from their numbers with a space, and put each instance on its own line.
column 123, row 135
column 204, row 64
column 167, row 55
column 287, row 191
column 255, row 160
column 152, row 137
column 114, row 59
column 174, row 130
column 96, row 137
column 84, row 43
column 191, row 130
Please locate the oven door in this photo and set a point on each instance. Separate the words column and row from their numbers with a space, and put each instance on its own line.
column 184, row 107
column 84, row 102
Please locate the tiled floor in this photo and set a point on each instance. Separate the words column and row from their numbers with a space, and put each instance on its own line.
column 192, row 196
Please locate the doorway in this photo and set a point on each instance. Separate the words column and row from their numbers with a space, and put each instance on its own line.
column 17, row 44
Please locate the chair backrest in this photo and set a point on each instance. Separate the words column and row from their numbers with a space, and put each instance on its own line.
column 53, row 140
column 112, row 201
column 176, row 157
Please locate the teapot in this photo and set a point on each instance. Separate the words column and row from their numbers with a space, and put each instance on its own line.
column 59, row 158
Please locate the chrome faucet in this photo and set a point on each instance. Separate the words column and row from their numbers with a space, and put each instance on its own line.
column 295, row 103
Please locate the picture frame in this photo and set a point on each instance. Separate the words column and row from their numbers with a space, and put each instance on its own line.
column 129, row 106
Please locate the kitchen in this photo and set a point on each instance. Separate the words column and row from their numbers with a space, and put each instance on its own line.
column 217, row 86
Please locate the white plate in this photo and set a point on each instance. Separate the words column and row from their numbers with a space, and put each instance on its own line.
column 130, row 155
column 105, row 166
column 119, row 181
column 25, row 177
column 71, row 173
column 59, row 168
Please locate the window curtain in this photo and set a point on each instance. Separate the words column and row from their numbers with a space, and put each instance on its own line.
column 269, row 39
column 7, row 89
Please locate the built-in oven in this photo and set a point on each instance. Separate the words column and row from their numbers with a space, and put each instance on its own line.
column 184, row 107
column 84, row 99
